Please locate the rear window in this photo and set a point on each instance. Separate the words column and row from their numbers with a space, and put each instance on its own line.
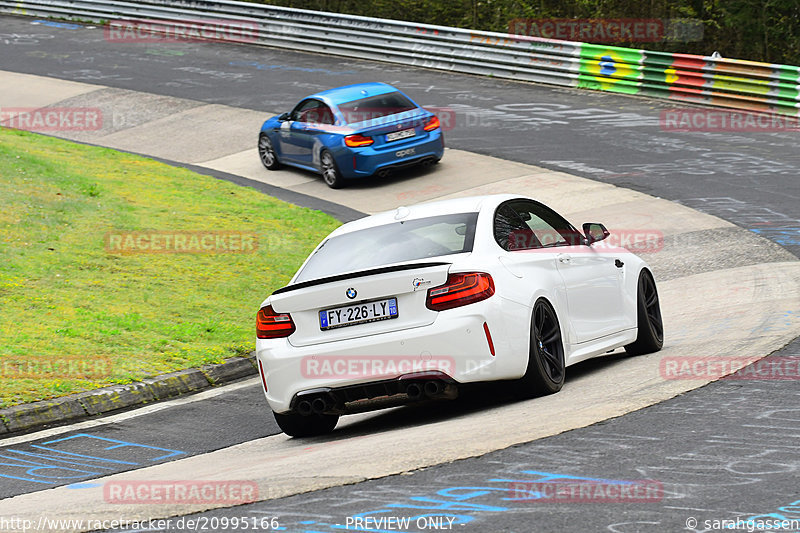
column 373, row 107
column 398, row 242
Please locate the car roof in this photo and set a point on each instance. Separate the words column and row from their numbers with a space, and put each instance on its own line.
column 348, row 93
column 469, row 204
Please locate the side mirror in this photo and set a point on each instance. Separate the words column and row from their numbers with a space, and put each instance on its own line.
column 283, row 117
column 595, row 232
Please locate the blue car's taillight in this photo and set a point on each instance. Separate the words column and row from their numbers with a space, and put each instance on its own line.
column 432, row 124
column 358, row 140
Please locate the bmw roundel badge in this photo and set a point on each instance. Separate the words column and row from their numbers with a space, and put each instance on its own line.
column 351, row 293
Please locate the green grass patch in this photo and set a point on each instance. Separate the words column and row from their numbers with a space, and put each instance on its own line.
column 66, row 296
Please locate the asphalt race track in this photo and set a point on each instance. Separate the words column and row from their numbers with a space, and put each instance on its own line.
column 749, row 179
column 723, row 451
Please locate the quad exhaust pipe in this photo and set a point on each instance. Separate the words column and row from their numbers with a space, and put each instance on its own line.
column 304, row 408
column 415, row 391
column 434, row 389
column 316, row 405
column 319, row 405
column 422, row 386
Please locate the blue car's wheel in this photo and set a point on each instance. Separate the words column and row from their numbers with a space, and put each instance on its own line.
column 267, row 153
column 330, row 173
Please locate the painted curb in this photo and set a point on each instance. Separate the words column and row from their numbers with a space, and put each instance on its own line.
column 30, row 416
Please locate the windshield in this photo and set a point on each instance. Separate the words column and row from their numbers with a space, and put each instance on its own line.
column 373, row 107
column 398, row 242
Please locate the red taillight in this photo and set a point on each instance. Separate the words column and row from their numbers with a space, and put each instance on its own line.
column 358, row 140
column 460, row 289
column 432, row 124
column 272, row 325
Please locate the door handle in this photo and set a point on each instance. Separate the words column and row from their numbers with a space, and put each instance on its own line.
column 619, row 263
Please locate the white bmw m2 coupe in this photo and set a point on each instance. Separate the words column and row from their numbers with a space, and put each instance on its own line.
column 408, row 305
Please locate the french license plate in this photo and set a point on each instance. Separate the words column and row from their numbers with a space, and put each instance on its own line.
column 402, row 134
column 348, row 315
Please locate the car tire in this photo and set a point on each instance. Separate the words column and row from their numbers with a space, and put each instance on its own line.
column 330, row 172
column 266, row 152
column 546, row 368
column 296, row 425
column 650, row 336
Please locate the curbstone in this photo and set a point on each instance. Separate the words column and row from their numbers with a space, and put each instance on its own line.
column 4, row 425
column 26, row 416
column 233, row 369
column 114, row 398
column 31, row 416
column 178, row 383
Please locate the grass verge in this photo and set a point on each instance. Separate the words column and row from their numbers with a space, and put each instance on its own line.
column 85, row 303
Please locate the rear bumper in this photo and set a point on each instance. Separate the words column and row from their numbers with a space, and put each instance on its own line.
column 455, row 345
column 367, row 161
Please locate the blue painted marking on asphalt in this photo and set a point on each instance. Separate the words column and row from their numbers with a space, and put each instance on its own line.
column 90, row 457
column 64, row 25
column 120, row 444
column 446, row 505
column 46, row 464
column 787, row 236
column 57, row 460
column 474, row 492
column 25, row 478
column 84, row 485
column 31, row 467
column 547, row 477
column 456, row 501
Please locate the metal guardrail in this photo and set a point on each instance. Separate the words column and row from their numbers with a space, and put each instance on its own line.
column 706, row 80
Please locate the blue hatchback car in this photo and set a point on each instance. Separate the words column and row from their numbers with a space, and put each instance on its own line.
column 352, row 132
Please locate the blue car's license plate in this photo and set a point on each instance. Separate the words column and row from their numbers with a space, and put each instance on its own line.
column 402, row 134
column 349, row 315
